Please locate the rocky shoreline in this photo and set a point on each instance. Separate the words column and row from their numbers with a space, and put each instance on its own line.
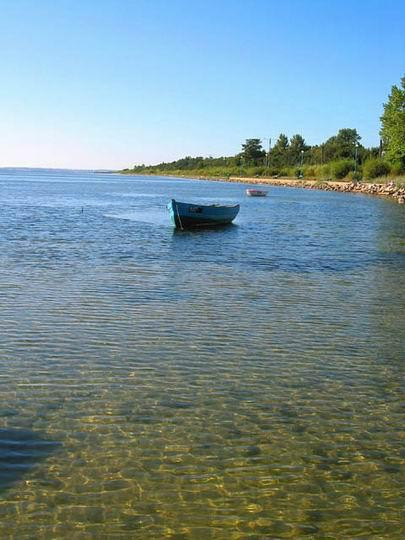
column 390, row 189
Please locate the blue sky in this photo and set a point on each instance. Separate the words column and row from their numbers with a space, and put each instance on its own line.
column 112, row 83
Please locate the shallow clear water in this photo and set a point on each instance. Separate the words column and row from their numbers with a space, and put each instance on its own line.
column 235, row 383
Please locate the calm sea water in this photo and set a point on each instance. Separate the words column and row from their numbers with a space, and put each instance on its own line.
column 218, row 384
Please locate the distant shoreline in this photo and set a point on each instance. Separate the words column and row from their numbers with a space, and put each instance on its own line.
column 388, row 189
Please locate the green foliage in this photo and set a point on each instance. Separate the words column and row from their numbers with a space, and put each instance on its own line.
column 354, row 176
column 340, row 169
column 272, row 171
column 310, row 171
column 250, row 171
column 393, row 126
column 373, row 168
column 281, row 143
column 396, row 169
column 325, row 171
column 342, row 146
column 296, row 150
column 279, row 153
column 252, row 151
column 341, row 156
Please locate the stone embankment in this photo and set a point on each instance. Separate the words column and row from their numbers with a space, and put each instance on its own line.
column 389, row 189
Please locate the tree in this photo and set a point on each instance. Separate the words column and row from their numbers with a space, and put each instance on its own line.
column 315, row 154
column 279, row 152
column 393, row 126
column 296, row 149
column 343, row 145
column 252, row 151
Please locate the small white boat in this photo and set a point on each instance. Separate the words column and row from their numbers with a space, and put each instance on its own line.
column 256, row 192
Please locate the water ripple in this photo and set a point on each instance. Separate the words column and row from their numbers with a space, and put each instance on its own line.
column 233, row 383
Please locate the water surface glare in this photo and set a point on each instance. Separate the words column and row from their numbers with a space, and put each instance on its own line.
column 239, row 383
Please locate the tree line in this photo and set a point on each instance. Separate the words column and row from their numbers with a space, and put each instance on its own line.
column 340, row 156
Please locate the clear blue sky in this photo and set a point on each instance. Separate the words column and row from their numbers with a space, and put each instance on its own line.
column 111, row 83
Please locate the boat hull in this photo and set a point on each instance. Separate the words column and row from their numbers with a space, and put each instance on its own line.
column 256, row 193
column 186, row 215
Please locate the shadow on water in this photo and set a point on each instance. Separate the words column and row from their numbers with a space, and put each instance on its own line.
column 193, row 243
column 205, row 229
column 20, row 451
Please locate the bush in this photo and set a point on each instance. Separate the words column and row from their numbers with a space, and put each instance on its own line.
column 250, row 172
column 310, row 171
column 324, row 171
column 396, row 169
column 373, row 168
column 340, row 169
column 354, row 176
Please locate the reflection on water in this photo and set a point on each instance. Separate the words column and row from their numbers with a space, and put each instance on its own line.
column 238, row 383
